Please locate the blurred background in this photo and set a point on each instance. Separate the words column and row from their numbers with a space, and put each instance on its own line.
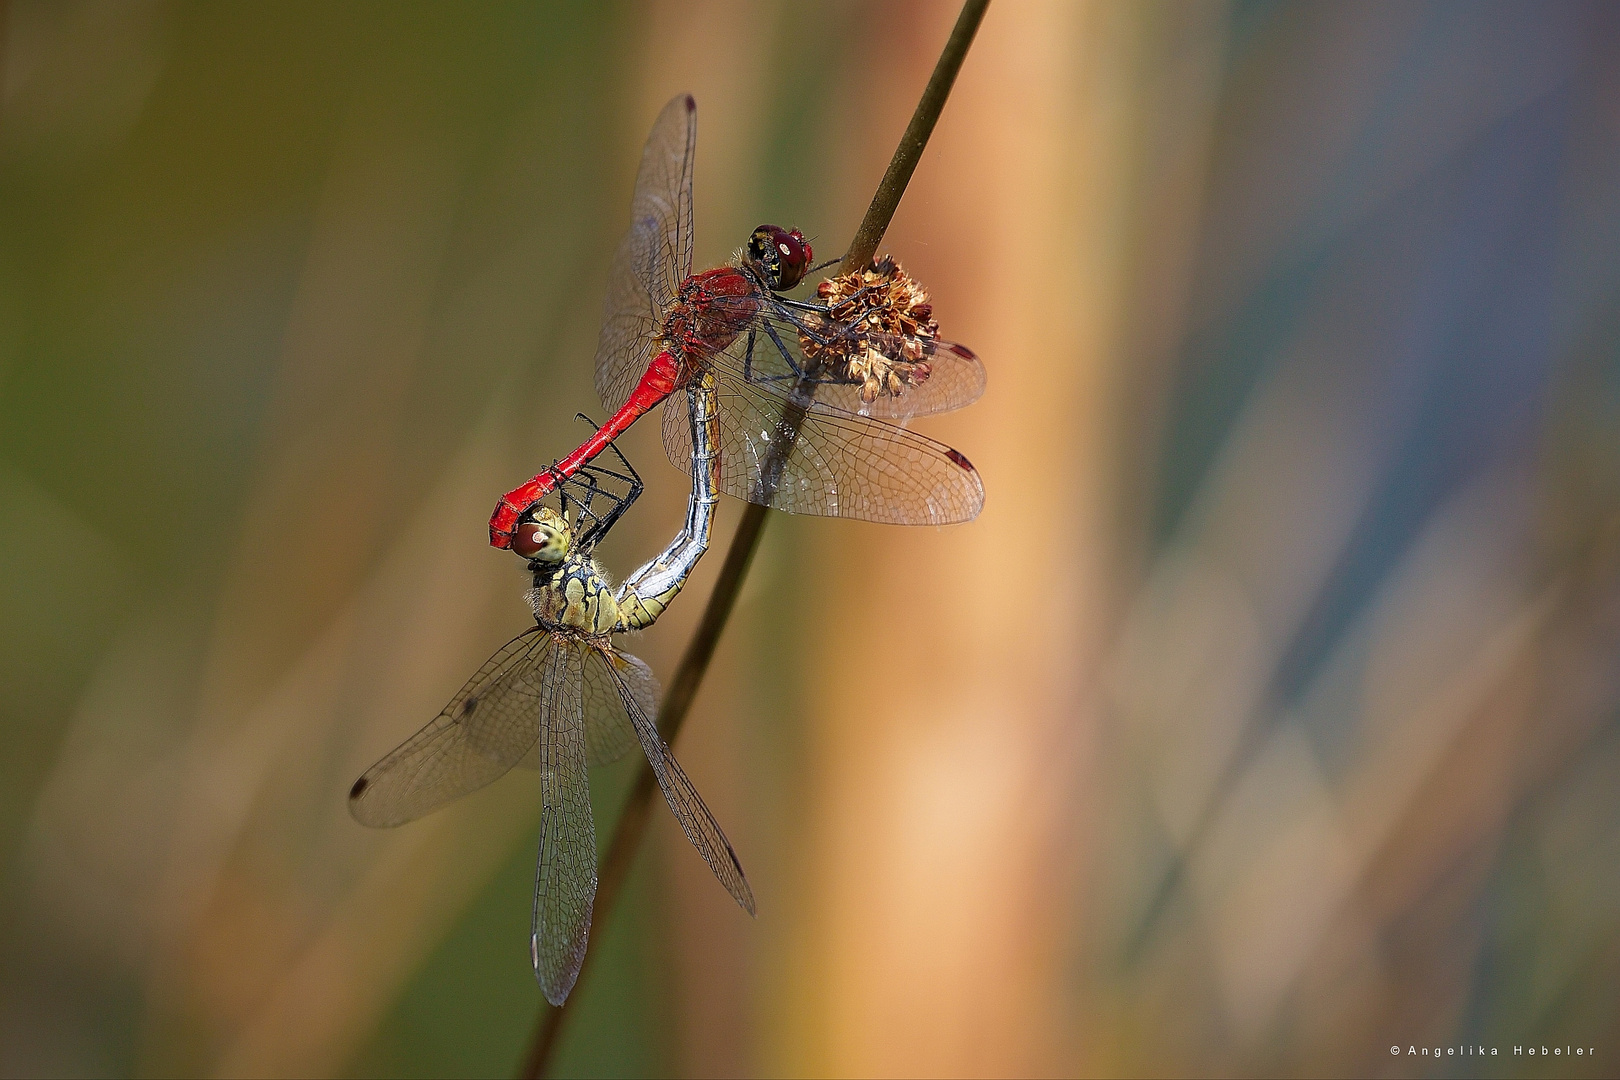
column 1266, row 719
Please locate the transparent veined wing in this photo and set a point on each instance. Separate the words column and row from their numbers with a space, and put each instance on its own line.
column 488, row 727
column 654, row 257
column 956, row 379
column 565, row 872
column 687, row 805
column 840, row 464
column 773, row 352
column 609, row 734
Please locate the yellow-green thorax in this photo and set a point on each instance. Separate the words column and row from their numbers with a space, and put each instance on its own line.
column 576, row 596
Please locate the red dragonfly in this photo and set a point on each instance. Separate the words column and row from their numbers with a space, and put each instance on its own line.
column 663, row 325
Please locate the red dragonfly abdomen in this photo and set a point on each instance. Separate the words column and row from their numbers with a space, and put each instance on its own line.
column 659, row 381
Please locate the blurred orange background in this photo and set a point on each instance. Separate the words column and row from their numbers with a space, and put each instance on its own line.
column 1265, row 720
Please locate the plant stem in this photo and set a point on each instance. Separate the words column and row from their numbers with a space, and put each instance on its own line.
column 909, row 152
column 694, row 664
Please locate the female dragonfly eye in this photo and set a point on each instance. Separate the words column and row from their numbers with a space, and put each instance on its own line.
column 545, row 539
column 528, row 540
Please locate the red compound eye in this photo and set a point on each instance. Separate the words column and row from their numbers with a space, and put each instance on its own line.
column 784, row 255
column 800, row 264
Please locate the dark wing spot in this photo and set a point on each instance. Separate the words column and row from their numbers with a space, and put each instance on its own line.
column 359, row 788
column 960, row 458
column 468, row 706
column 691, row 104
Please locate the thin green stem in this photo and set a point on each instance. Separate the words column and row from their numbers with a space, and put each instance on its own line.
column 694, row 664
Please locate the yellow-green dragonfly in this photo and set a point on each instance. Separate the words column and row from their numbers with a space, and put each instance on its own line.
column 560, row 697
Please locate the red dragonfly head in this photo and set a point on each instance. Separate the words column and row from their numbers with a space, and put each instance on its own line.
column 782, row 256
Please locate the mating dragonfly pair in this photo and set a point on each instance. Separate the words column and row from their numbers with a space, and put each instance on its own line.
column 787, row 403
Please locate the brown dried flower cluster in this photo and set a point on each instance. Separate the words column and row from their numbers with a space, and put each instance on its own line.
column 891, row 330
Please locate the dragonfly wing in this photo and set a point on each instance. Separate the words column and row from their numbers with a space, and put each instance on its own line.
column 696, row 821
column 776, row 355
column 840, row 465
column 609, row 734
column 486, row 729
column 654, row 257
column 956, row 379
column 565, row 874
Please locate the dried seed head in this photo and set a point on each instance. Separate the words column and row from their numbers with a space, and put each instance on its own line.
column 880, row 330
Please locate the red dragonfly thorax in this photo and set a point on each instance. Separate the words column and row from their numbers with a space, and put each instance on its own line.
column 710, row 310
column 713, row 307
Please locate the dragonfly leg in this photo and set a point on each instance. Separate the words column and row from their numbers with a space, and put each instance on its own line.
column 629, row 476
column 799, row 375
column 590, row 477
column 812, row 330
column 801, row 305
column 748, row 359
column 834, row 261
column 636, row 487
column 798, row 372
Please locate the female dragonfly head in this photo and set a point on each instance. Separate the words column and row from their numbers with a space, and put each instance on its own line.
column 544, row 538
column 782, row 256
